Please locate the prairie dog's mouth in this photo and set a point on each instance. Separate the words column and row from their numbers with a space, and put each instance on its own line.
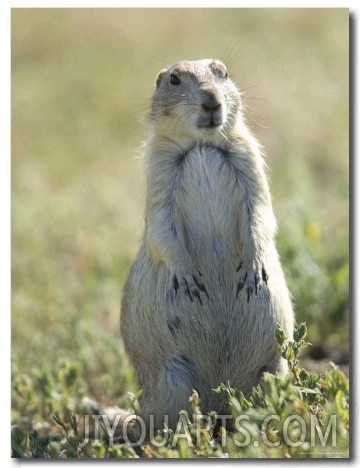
column 210, row 125
column 212, row 120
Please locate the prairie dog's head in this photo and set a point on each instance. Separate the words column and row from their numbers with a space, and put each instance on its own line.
column 195, row 99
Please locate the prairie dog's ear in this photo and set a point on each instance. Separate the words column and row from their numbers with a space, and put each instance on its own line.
column 160, row 76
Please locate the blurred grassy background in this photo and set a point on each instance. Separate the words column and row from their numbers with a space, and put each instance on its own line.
column 81, row 83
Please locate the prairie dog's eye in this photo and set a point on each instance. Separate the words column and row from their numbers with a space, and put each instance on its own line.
column 175, row 80
column 223, row 73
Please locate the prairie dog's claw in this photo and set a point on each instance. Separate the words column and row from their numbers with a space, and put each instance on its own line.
column 252, row 275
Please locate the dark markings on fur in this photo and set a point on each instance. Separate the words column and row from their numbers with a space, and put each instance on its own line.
column 200, row 285
column 174, row 325
column 186, row 360
column 249, row 292
column 262, row 370
column 175, row 283
column 241, row 285
column 264, row 275
column 196, row 293
column 187, row 290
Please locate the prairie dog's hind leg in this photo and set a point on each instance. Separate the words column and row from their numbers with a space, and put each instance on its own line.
column 164, row 397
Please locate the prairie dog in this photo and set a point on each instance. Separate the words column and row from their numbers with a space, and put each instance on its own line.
column 206, row 291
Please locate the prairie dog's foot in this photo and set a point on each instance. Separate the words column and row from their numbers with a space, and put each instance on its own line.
column 251, row 275
column 190, row 283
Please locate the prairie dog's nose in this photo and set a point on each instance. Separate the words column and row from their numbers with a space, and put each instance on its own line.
column 210, row 101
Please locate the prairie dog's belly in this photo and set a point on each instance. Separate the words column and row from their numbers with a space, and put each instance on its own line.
column 207, row 203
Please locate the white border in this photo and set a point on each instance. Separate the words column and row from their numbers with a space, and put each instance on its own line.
column 5, row 6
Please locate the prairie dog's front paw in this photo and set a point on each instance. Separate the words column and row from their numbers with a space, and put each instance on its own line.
column 190, row 283
column 251, row 275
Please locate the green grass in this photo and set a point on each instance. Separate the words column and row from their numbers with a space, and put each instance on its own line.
column 81, row 83
column 303, row 415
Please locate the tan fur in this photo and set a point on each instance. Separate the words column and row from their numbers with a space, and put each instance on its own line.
column 206, row 291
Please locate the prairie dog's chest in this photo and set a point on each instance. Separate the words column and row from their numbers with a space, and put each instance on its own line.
column 207, row 188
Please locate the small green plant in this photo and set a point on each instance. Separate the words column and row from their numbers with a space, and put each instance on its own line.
column 290, row 350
